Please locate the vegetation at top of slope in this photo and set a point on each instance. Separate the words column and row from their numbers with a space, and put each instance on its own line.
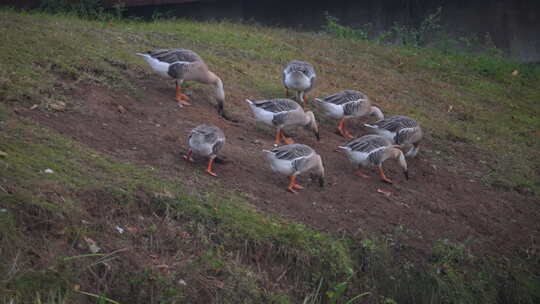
column 221, row 243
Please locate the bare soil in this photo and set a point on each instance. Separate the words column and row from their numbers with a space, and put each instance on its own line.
column 439, row 201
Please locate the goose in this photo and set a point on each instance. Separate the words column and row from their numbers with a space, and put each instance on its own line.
column 347, row 104
column 372, row 151
column 283, row 112
column 293, row 160
column 299, row 76
column 181, row 65
column 205, row 141
column 401, row 130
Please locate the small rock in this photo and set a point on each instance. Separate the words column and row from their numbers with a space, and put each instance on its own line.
column 121, row 109
column 48, row 171
column 119, row 229
column 92, row 245
column 386, row 193
column 57, row 105
column 3, row 210
column 257, row 142
column 182, row 282
column 34, row 107
column 3, row 154
column 241, row 138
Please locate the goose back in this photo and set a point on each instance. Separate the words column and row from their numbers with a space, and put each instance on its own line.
column 206, row 140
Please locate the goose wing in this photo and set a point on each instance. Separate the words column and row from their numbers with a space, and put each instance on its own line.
column 210, row 134
column 292, row 152
column 179, row 69
column 395, row 123
column 174, row 55
column 368, row 143
column 351, row 101
column 277, row 105
column 345, row 97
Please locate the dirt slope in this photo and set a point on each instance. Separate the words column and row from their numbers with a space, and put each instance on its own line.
column 435, row 203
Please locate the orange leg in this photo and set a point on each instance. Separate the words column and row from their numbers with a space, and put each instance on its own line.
column 342, row 130
column 278, row 136
column 187, row 156
column 305, row 101
column 286, row 92
column 361, row 174
column 286, row 140
column 293, row 185
column 180, row 97
column 209, row 169
column 383, row 177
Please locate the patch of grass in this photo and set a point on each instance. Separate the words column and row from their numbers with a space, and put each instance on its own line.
column 451, row 275
column 227, row 231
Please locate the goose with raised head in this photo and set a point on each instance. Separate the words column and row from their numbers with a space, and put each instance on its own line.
column 401, row 130
column 299, row 76
column 205, row 141
column 281, row 113
column 372, row 151
column 293, row 160
column 348, row 104
column 184, row 65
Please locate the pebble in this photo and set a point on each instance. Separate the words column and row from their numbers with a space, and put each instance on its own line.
column 48, row 171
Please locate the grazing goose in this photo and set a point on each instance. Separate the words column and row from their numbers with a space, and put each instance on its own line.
column 182, row 64
column 283, row 112
column 205, row 141
column 348, row 104
column 401, row 130
column 373, row 150
column 299, row 76
column 295, row 159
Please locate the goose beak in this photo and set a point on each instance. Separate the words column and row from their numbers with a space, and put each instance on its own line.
column 406, row 173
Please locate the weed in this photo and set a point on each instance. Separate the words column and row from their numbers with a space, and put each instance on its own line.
column 333, row 27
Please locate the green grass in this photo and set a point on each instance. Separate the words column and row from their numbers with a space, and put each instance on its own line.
column 226, row 248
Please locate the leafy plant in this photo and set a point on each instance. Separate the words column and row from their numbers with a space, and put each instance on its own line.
column 333, row 27
column 338, row 291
